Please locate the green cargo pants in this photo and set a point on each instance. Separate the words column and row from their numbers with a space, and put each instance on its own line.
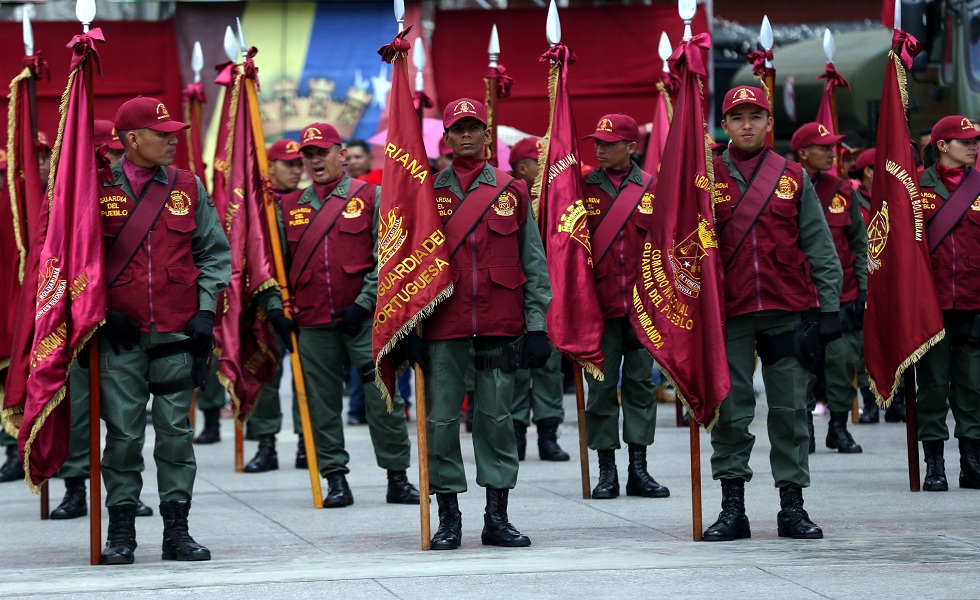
column 125, row 393
column 321, row 350
column 619, row 344
column 76, row 465
column 266, row 417
column 539, row 391
column 843, row 357
column 948, row 377
column 786, row 382
column 493, row 430
column 213, row 395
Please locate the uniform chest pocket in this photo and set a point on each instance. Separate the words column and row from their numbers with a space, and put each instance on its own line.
column 352, row 226
column 974, row 215
column 841, row 219
column 502, row 237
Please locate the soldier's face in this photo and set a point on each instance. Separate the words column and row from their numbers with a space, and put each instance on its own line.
column 467, row 137
column 958, row 153
column 358, row 161
column 817, row 157
column 325, row 165
column 747, row 126
column 285, row 174
column 148, row 148
column 614, row 155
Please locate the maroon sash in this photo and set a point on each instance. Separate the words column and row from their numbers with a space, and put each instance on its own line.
column 951, row 213
column 755, row 199
column 323, row 221
column 616, row 218
column 471, row 209
column 130, row 238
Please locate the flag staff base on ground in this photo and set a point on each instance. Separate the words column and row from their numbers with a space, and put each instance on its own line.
column 583, row 440
column 94, row 452
column 239, row 449
column 45, row 504
column 421, row 423
column 695, row 477
column 912, row 429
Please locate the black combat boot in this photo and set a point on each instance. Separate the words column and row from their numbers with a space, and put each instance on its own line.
column 211, row 433
column 970, row 464
column 400, row 490
column 639, row 482
column 838, row 437
column 266, row 459
column 121, row 541
column 520, row 434
column 896, row 412
column 608, row 486
column 870, row 412
column 813, row 437
column 143, row 510
column 497, row 530
column 792, row 521
column 935, row 466
column 73, row 506
column 450, row 531
column 301, row 454
column 732, row 524
column 177, row 541
column 12, row 469
column 548, row 448
column 338, row 492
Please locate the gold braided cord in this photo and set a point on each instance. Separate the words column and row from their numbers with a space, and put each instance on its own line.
column 667, row 101
column 13, row 174
column 545, row 142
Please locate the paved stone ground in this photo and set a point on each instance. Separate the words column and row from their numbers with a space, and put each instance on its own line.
column 268, row 542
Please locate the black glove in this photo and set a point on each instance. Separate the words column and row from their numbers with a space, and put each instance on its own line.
column 859, row 304
column 201, row 331
column 351, row 318
column 416, row 351
column 828, row 327
column 973, row 337
column 284, row 327
column 122, row 332
column 538, row 349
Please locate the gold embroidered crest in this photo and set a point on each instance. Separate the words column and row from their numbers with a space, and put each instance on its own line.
column 786, row 188
column 838, row 204
column 506, row 204
column 686, row 256
column 179, row 204
column 391, row 236
column 976, row 204
column 354, row 208
column 877, row 237
column 646, row 204
column 574, row 222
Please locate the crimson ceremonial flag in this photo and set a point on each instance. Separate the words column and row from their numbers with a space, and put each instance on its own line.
column 227, row 75
column 827, row 112
column 413, row 260
column 897, row 333
column 70, row 300
column 678, row 300
column 663, row 112
column 574, row 318
column 193, row 95
column 248, row 353
column 20, row 200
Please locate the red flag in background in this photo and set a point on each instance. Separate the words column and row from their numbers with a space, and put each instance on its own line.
column 227, row 75
column 575, row 323
column 678, row 299
column 70, row 301
column 897, row 333
column 767, row 81
column 21, row 200
column 663, row 112
column 827, row 113
column 193, row 95
column 413, row 260
column 246, row 340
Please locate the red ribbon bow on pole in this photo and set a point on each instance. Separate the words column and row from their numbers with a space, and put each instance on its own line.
column 83, row 43
column 906, row 46
column 397, row 46
column 251, row 71
column 758, row 59
column 559, row 53
column 691, row 52
column 834, row 79
column 504, row 81
column 37, row 65
column 193, row 91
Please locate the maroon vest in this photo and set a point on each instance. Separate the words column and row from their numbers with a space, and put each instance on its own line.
column 160, row 283
column 616, row 273
column 334, row 276
column 835, row 196
column 488, row 279
column 767, row 271
column 956, row 262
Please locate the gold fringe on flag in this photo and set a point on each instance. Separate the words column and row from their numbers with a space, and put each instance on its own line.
column 12, row 175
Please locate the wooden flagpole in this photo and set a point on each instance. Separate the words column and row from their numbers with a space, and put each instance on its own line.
column 421, row 424
column 911, row 429
column 583, row 440
column 272, row 227
column 696, row 478
column 94, row 452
